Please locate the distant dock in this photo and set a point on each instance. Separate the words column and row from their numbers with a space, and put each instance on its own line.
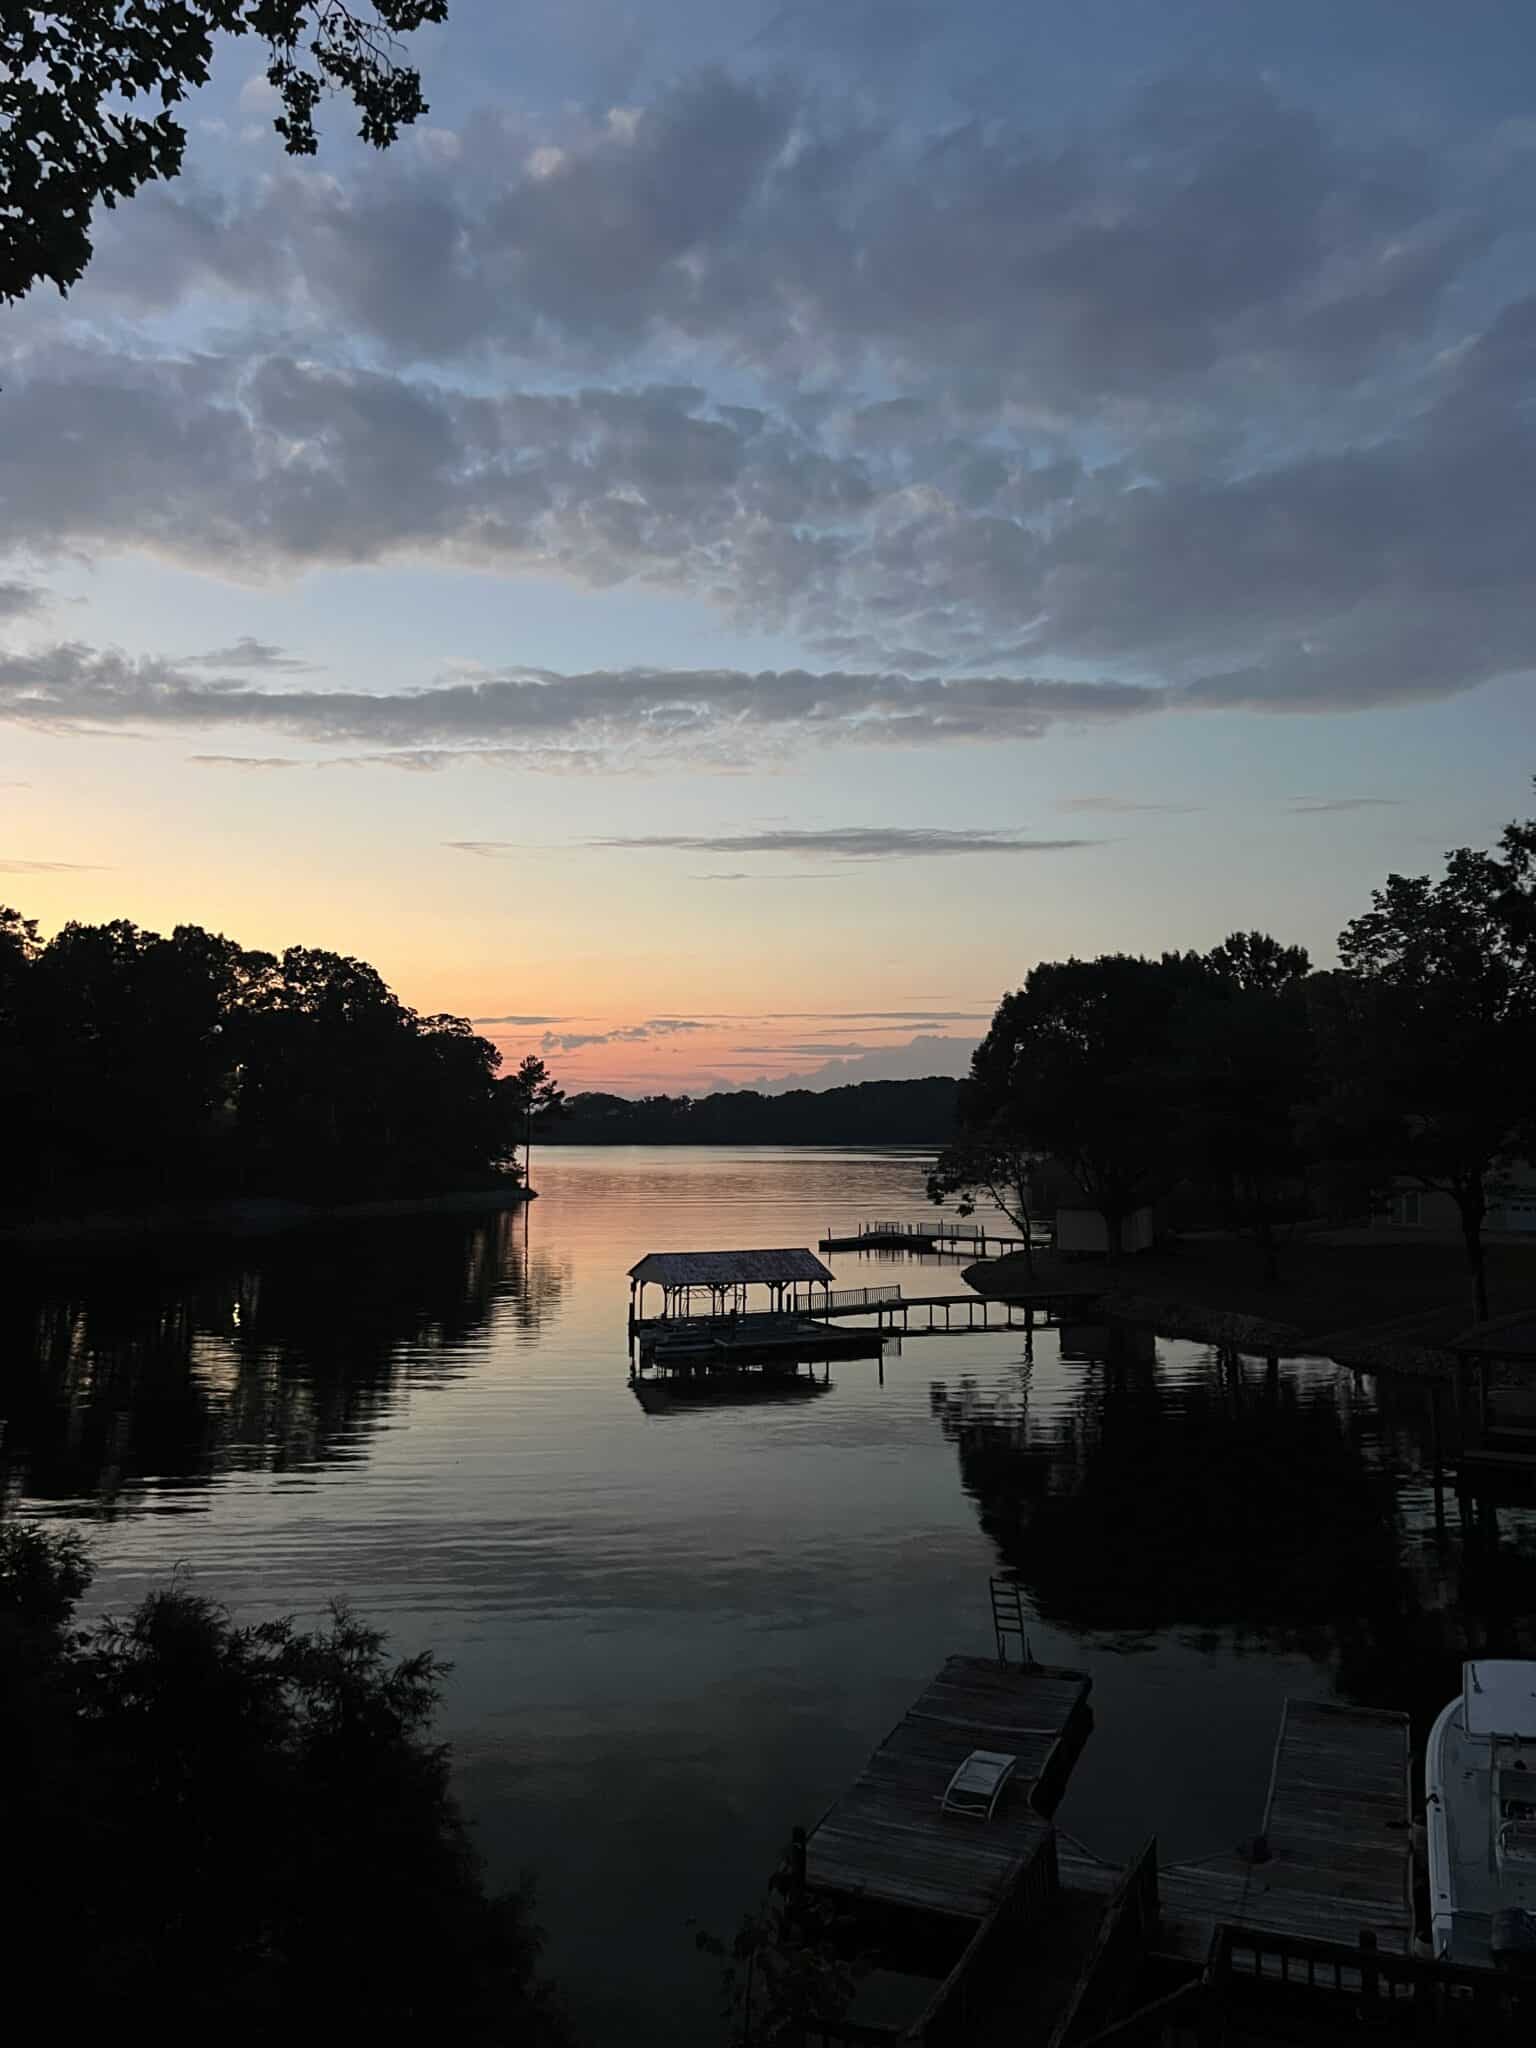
column 956, row 1239
column 713, row 1317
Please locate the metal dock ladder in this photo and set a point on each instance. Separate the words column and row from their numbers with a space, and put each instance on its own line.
column 1008, row 1619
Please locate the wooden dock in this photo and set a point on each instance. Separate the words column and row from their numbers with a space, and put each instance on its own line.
column 917, row 1315
column 1332, row 1855
column 888, row 1839
column 869, row 1314
column 924, row 1237
column 1003, row 1933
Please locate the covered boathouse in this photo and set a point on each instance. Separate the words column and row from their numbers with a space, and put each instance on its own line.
column 722, row 1279
column 730, row 1310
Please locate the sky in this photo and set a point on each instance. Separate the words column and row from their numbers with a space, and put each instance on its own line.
column 753, row 524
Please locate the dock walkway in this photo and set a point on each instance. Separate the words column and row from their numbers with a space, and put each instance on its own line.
column 914, row 1315
column 1333, row 1852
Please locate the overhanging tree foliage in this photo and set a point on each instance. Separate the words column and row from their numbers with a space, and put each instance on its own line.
column 247, row 1829
column 996, row 1161
column 74, row 75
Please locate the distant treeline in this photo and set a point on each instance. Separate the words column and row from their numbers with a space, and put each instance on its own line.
column 134, row 1066
column 867, row 1113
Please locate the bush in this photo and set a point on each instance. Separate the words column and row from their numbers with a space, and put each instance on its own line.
column 235, row 1830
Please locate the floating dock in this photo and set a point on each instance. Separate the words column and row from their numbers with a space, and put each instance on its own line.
column 1007, row 1931
column 888, row 1839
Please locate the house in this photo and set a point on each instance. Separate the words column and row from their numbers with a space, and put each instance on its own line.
column 1084, row 1232
column 1510, row 1192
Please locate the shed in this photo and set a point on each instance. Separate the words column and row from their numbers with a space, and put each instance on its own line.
column 723, row 1276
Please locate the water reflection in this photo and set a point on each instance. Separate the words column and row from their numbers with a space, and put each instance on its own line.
column 697, row 1393
column 136, row 1381
column 673, row 1638
column 1232, row 1501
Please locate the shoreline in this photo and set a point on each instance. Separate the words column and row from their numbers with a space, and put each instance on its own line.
column 1372, row 1305
column 244, row 1216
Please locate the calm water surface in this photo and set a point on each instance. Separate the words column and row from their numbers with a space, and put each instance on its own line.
column 675, row 1635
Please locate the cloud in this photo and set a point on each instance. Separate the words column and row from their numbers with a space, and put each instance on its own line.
column 49, row 867
column 1389, row 568
column 858, row 1016
column 516, row 1020
column 248, row 761
column 1123, row 806
column 1196, row 409
column 850, row 842
column 662, row 710
column 18, row 600
column 1204, row 223
column 741, row 875
column 248, row 653
column 1315, row 806
column 914, row 1061
column 818, row 1049
column 624, row 1034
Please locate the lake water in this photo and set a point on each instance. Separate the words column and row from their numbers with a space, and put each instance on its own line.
column 675, row 1635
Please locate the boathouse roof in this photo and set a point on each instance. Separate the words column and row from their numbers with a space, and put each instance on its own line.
column 727, row 1269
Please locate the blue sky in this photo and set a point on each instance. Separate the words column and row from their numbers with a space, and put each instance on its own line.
column 601, row 560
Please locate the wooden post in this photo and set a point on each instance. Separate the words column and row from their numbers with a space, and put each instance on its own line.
column 1370, row 1981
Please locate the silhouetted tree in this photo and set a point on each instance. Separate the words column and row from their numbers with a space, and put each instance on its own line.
column 996, row 1163
column 73, row 71
column 1078, row 1064
column 187, row 1064
column 532, row 1095
column 264, row 1828
column 1247, row 1073
column 1428, row 1037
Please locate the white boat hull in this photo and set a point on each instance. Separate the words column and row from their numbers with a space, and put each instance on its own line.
column 1474, row 1782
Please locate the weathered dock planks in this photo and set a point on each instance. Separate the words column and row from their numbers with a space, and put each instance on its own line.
column 1334, row 1855
column 888, row 1840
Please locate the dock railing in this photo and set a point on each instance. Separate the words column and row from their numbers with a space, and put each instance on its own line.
column 817, row 1303
column 1446, row 2001
column 1109, row 1976
column 968, row 1991
column 963, row 1233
